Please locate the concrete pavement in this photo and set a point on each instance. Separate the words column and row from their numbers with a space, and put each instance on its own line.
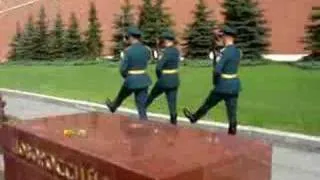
column 288, row 163
column 27, row 108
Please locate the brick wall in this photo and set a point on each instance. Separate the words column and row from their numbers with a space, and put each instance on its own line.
column 286, row 18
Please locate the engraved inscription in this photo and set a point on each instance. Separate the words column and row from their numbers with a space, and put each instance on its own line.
column 56, row 165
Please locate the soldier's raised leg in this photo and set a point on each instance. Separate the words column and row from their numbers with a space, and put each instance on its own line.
column 122, row 95
column 212, row 100
column 155, row 92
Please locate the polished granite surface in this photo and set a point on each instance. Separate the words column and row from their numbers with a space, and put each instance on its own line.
column 149, row 149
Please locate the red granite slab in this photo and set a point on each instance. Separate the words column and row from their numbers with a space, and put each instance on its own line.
column 119, row 148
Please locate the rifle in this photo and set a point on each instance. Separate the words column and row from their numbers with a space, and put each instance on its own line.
column 216, row 51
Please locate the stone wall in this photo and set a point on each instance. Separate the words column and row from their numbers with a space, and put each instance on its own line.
column 286, row 18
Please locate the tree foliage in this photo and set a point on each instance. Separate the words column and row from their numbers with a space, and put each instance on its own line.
column 199, row 34
column 13, row 54
column 74, row 46
column 248, row 19
column 26, row 46
column 122, row 21
column 41, row 38
column 153, row 19
column 57, row 39
column 93, row 35
column 312, row 37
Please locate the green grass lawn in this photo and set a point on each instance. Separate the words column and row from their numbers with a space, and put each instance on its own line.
column 274, row 96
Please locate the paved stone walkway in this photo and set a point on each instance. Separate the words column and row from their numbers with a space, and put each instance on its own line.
column 27, row 108
column 288, row 164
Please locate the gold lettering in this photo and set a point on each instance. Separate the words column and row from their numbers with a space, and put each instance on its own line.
column 40, row 158
column 50, row 162
column 23, row 149
column 48, row 165
column 16, row 149
column 33, row 155
column 92, row 174
column 59, row 168
column 76, row 172
column 28, row 153
column 68, row 173
column 71, row 171
column 82, row 174
column 20, row 148
column 66, row 170
column 19, row 151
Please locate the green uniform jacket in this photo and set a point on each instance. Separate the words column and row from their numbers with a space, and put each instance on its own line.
column 169, row 61
column 228, row 64
column 136, row 57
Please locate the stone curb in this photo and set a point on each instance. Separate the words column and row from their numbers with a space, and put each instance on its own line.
column 280, row 138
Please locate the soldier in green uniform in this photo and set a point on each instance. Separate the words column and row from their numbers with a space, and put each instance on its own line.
column 226, row 82
column 133, row 70
column 167, row 74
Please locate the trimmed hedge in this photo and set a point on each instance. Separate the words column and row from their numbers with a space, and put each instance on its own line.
column 62, row 62
column 311, row 65
column 208, row 63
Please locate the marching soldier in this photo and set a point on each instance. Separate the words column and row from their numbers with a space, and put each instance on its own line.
column 133, row 70
column 226, row 81
column 167, row 74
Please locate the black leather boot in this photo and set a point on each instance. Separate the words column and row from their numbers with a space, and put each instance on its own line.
column 173, row 119
column 109, row 104
column 232, row 129
column 189, row 115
